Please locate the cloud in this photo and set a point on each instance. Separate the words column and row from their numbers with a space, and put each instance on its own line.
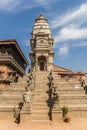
column 71, row 28
column 47, row 3
column 63, row 50
column 79, row 44
column 26, row 42
column 77, row 15
column 71, row 33
column 8, row 5
column 18, row 5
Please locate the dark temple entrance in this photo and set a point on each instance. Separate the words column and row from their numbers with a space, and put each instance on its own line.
column 42, row 66
column 42, row 63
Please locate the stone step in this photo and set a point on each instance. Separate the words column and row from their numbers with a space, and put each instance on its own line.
column 41, row 89
column 41, row 77
column 56, row 75
column 79, row 111
column 26, row 109
column 64, row 86
column 40, row 112
column 40, row 97
column 12, row 102
column 59, row 80
column 78, row 107
column 75, row 96
column 42, row 72
column 21, row 88
column 41, row 82
column 39, row 105
column 10, row 97
column 74, row 100
column 41, row 86
column 7, row 99
column 43, row 103
column 73, row 91
column 40, row 100
column 63, row 83
column 11, row 92
column 44, row 97
column 18, row 84
column 69, row 88
column 41, row 92
column 70, row 95
column 39, row 117
column 17, row 89
column 43, row 122
column 7, row 107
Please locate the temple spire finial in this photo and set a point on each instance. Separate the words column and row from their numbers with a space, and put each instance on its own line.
column 41, row 14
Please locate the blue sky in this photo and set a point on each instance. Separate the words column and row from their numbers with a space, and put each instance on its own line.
column 68, row 22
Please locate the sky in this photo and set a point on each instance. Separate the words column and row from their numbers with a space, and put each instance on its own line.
column 67, row 20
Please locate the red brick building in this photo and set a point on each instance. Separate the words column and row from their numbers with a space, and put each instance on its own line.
column 12, row 62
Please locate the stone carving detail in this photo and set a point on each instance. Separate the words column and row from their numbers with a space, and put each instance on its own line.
column 42, row 42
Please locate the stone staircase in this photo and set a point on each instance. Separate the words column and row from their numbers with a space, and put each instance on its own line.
column 68, row 95
column 40, row 109
column 11, row 96
column 72, row 96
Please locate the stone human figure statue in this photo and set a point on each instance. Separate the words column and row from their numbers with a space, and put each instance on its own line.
column 27, row 97
column 16, row 112
column 50, row 76
column 82, row 82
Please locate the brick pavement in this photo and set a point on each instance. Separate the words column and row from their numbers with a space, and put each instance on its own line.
column 77, row 124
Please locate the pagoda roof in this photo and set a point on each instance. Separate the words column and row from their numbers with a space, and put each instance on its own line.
column 14, row 42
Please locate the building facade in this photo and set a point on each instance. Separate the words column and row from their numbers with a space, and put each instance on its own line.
column 12, row 62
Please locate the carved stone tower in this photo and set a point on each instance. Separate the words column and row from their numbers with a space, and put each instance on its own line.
column 41, row 54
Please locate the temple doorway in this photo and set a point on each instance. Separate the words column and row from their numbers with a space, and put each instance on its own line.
column 42, row 63
column 41, row 66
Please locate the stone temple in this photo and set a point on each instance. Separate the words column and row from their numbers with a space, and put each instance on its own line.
column 41, row 94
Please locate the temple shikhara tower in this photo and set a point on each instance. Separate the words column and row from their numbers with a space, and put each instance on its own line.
column 47, row 93
column 41, row 54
